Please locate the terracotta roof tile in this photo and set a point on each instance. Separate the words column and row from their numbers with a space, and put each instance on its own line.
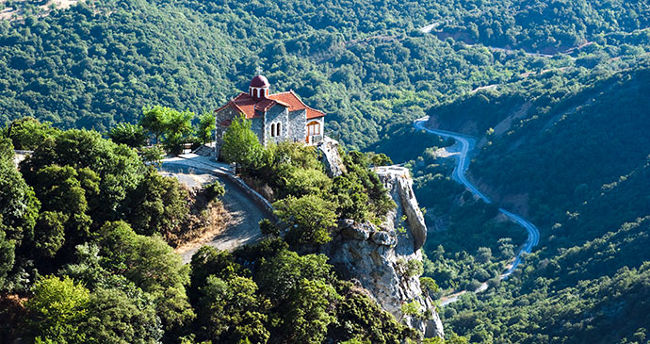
column 248, row 105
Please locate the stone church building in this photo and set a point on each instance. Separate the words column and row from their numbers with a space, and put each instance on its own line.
column 274, row 117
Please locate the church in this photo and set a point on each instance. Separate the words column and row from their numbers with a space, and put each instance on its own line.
column 274, row 117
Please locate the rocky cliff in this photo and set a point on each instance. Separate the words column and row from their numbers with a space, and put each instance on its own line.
column 331, row 157
column 387, row 260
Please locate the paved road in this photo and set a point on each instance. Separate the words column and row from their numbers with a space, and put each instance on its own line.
column 246, row 214
column 459, row 174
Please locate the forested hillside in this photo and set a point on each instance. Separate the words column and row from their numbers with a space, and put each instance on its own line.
column 572, row 155
column 556, row 92
column 365, row 63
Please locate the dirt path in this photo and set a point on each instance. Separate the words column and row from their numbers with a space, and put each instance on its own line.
column 246, row 214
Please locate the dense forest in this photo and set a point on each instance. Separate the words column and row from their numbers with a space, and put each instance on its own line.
column 572, row 155
column 88, row 226
column 555, row 91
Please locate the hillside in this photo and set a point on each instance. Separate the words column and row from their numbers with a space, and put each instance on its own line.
column 576, row 164
column 100, row 63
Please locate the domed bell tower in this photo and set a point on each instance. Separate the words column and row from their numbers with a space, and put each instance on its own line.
column 259, row 87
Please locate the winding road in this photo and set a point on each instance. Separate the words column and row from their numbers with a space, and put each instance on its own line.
column 459, row 174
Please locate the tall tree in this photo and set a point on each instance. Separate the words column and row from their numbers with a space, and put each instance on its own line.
column 241, row 145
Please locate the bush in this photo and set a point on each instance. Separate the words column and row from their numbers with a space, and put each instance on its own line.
column 214, row 190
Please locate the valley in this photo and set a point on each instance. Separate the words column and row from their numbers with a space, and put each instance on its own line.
column 458, row 174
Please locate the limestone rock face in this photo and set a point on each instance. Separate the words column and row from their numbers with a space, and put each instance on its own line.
column 331, row 157
column 383, row 258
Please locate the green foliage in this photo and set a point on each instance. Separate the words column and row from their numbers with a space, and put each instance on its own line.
column 158, row 205
column 207, row 125
column 214, row 190
column 27, row 133
column 152, row 155
column 175, row 127
column 18, row 204
column 49, row 232
column 310, row 219
column 241, row 145
column 429, row 285
column 147, row 261
column 56, row 307
column 282, row 273
column 232, row 312
column 118, row 168
column 7, row 257
column 309, row 312
column 113, row 317
column 129, row 134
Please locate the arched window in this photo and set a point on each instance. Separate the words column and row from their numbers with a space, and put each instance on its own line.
column 313, row 128
column 273, row 130
column 278, row 129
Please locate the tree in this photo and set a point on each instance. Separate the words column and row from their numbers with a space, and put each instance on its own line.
column 278, row 276
column 309, row 217
column 117, row 168
column 7, row 256
column 56, row 308
column 241, row 145
column 154, row 120
column 178, row 130
column 147, row 261
column 207, row 125
column 114, row 317
column 18, row 204
column 232, row 312
column 158, row 205
column 152, row 155
column 49, row 233
column 28, row 133
column 132, row 135
column 62, row 191
column 309, row 312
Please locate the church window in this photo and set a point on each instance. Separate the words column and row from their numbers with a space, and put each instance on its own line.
column 278, row 129
column 313, row 128
column 273, row 130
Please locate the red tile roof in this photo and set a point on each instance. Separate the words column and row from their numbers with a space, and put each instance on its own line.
column 248, row 105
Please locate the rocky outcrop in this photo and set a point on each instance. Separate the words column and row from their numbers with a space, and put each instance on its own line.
column 331, row 158
column 387, row 260
column 399, row 183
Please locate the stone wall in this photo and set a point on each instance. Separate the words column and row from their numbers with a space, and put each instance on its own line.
column 277, row 114
column 297, row 126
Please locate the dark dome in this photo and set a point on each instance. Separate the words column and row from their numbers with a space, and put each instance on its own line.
column 260, row 81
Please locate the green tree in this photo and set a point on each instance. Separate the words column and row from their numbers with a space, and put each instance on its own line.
column 114, row 317
column 7, row 256
column 241, row 145
column 154, row 119
column 206, row 127
column 309, row 312
column 18, row 205
column 279, row 275
column 232, row 312
column 132, row 135
column 28, row 133
column 56, row 308
column 178, row 130
column 49, row 233
column 310, row 219
column 152, row 155
column 158, row 205
column 117, row 168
